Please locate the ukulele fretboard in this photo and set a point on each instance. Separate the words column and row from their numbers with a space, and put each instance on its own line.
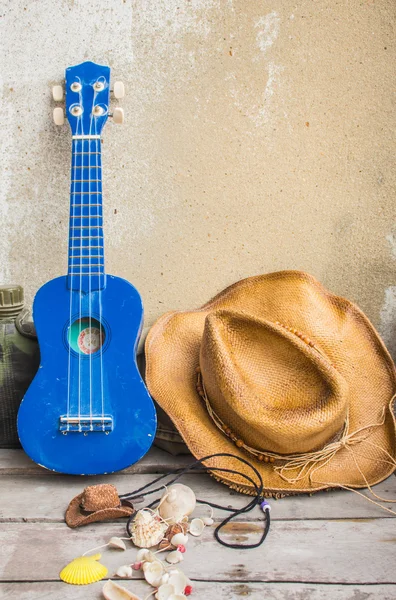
column 86, row 244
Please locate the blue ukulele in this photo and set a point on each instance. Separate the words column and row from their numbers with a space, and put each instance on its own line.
column 87, row 410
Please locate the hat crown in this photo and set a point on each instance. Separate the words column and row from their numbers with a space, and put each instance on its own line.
column 100, row 497
column 270, row 385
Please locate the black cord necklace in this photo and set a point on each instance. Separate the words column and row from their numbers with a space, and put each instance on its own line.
column 258, row 498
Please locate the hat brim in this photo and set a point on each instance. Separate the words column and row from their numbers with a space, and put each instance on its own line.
column 172, row 356
column 75, row 517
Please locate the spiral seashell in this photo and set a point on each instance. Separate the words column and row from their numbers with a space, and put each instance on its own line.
column 170, row 533
column 147, row 530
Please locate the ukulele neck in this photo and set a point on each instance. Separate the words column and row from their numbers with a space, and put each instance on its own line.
column 86, row 243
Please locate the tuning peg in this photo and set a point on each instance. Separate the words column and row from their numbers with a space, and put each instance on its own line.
column 118, row 115
column 58, row 116
column 119, row 89
column 57, row 93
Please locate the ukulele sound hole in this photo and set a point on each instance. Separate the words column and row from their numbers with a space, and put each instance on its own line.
column 86, row 336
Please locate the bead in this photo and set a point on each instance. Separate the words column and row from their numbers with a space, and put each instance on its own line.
column 198, row 370
column 137, row 566
column 266, row 459
column 187, row 590
column 227, row 431
column 239, row 443
column 181, row 548
column 260, row 457
column 272, row 459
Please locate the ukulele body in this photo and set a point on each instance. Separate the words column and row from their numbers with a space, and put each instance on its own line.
column 87, row 410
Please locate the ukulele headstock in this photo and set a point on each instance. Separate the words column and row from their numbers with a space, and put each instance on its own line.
column 87, row 91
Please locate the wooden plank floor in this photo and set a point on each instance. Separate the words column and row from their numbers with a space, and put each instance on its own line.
column 332, row 545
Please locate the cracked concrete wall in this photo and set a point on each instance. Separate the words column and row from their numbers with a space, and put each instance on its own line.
column 259, row 136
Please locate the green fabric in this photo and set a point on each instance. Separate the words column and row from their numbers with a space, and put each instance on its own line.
column 19, row 361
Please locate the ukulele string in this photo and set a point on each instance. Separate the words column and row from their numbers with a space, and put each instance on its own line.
column 70, row 270
column 100, row 237
column 92, row 120
column 81, row 266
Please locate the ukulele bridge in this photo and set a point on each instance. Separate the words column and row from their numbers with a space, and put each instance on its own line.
column 84, row 423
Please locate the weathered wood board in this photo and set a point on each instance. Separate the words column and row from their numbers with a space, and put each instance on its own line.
column 40, row 498
column 301, row 551
column 156, row 461
column 205, row 591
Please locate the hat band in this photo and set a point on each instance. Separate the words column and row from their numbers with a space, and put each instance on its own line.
column 299, row 465
column 267, row 456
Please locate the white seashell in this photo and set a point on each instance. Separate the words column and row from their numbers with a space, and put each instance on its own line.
column 153, row 572
column 177, row 597
column 124, row 571
column 164, row 591
column 147, row 530
column 177, row 502
column 179, row 582
column 113, row 591
column 143, row 554
column 196, row 527
column 179, row 538
column 164, row 578
column 208, row 520
column 116, row 542
column 174, row 557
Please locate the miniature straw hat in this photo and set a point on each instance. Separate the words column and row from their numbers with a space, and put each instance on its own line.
column 278, row 370
column 96, row 503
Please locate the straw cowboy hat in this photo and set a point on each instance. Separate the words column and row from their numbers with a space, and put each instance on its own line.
column 278, row 369
column 97, row 503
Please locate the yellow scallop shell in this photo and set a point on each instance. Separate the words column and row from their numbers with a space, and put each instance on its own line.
column 83, row 570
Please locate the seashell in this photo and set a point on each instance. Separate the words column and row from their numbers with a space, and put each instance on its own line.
column 196, row 527
column 113, row 591
column 145, row 554
column 208, row 520
column 83, row 570
column 164, row 591
column 153, row 572
column 179, row 582
column 174, row 557
column 116, row 542
column 178, row 539
column 164, row 578
column 147, row 530
column 124, row 571
column 170, row 532
column 165, row 545
column 177, row 502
